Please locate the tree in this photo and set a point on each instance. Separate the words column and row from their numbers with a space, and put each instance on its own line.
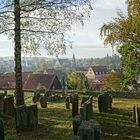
column 124, row 32
column 39, row 23
column 112, row 82
column 76, row 81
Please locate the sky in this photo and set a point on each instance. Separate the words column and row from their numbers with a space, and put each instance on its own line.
column 86, row 39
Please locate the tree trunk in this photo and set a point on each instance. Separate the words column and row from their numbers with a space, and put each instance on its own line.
column 18, row 68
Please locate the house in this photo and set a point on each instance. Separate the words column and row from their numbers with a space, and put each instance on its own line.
column 47, row 81
column 119, row 70
column 7, row 80
column 94, row 75
column 96, row 72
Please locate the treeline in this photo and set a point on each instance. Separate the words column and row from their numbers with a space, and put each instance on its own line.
column 67, row 64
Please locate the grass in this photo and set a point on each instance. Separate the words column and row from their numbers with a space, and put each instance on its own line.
column 55, row 122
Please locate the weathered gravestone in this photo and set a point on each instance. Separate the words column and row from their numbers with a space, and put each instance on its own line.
column 74, row 105
column 21, row 118
column 2, row 137
column 89, row 130
column 104, row 102
column 32, row 115
column 89, row 109
column 8, row 106
column 67, row 101
column 86, row 109
column 43, row 102
column 1, row 103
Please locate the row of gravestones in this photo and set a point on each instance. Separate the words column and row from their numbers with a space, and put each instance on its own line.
column 46, row 98
column 26, row 117
column 104, row 103
column 84, row 127
column 136, row 114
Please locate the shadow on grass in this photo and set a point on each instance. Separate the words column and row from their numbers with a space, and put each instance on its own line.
column 117, row 125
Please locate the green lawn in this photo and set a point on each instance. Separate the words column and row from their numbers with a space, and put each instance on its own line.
column 55, row 123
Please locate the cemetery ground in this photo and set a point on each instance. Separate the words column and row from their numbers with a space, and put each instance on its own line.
column 55, row 122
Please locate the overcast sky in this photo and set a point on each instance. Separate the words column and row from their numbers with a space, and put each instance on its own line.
column 86, row 40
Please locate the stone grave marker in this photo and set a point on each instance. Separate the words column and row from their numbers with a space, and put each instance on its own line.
column 8, row 106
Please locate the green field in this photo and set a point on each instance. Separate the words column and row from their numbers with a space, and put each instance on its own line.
column 55, row 123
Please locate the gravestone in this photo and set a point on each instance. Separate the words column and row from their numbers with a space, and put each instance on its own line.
column 34, row 99
column 32, row 114
column 1, row 103
column 2, row 137
column 83, row 112
column 43, row 102
column 67, row 101
column 8, row 106
column 89, row 130
column 21, row 118
column 110, row 101
column 104, row 102
column 86, row 110
column 89, row 109
column 137, row 110
column 36, row 96
column 134, row 113
column 74, row 105
column 76, row 123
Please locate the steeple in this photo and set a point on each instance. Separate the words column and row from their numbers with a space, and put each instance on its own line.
column 74, row 61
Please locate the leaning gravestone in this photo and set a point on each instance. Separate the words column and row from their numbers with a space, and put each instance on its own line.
column 21, row 118
column 32, row 114
column 2, row 137
column 8, row 106
column 74, row 105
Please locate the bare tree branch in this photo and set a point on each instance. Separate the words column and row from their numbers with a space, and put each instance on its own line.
column 4, row 31
column 5, row 12
column 39, row 18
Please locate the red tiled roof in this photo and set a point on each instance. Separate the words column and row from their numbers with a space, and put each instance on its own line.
column 25, row 76
column 45, row 80
column 8, row 80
